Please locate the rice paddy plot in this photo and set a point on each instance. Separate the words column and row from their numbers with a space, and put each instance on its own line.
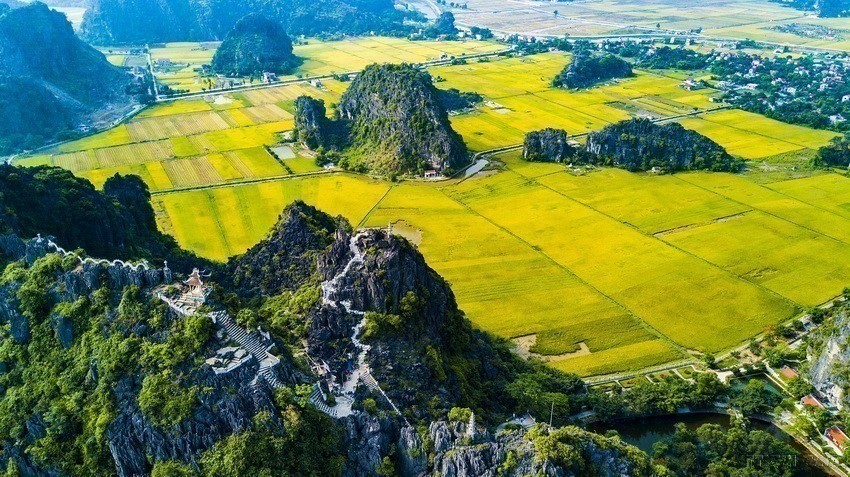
column 652, row 204
column 804, row 214
column 830, row 192
column 519, row 98
column 776, row 254
column 354, row 54
column 225, row 221
column 753, row 136
column 163, row 127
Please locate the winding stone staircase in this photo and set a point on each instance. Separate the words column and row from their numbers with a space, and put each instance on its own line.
column 253, row 343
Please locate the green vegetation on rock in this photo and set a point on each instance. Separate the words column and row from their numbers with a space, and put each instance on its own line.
column 256, row 45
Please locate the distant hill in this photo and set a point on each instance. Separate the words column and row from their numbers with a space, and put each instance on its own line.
column 391, row 122
column 11, row 4
column 254, row 46
column 50, row 81
column 145, row 21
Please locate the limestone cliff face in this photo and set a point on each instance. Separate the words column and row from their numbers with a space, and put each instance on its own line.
column 830, row 357
column 110, row 22
column 547, row 145
column 287, row 257
column 398, row 124
column 50, row 80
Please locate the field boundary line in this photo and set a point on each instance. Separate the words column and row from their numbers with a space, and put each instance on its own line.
column 581, row 280
column 375, row 206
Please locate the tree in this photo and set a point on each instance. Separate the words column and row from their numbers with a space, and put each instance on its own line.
column 755, row 398
column 799, row 387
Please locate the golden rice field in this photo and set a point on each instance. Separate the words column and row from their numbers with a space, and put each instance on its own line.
column 639, row 269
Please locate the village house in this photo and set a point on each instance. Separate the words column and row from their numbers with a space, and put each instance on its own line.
column 431, row 174
column 269, row 77
column 788, row 373
column 837, row 438
column 811, row 401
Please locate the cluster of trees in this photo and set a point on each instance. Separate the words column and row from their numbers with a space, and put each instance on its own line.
column 443, row 27
column 454, row 100
column 804, row 90
column 586, row 70
column 835, row 154
column 255, row 45
column 117, row 222
column 824, row 8
column 664, row 397
column 712, row 450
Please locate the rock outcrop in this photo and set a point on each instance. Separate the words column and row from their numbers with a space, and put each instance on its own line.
column 586, row 70
column 547, row 145
column 287, row 257
column 641, row 145
column 830, row 356
column 312, row 126
column 391, row 122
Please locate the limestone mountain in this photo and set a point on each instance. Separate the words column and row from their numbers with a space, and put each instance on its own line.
column 640, row 145
column 109, row 22
column 115, row 222
column 391, row 121
column 159, row 389
column 10, row 4
column 255, row 45
column 50, row 81
column 398, row 124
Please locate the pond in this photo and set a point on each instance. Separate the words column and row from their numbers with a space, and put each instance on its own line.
column 643, row 433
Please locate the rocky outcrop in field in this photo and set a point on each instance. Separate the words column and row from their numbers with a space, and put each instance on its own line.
column 547, row 145
column 586, row 70
column 641, row 145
